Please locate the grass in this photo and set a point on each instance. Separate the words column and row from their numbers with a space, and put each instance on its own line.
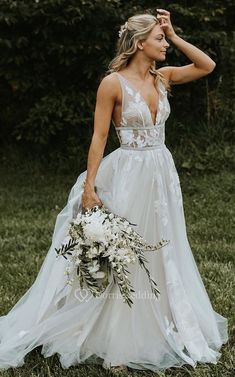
column 31, row 197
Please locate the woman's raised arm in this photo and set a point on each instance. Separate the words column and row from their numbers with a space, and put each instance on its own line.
column 201, row 64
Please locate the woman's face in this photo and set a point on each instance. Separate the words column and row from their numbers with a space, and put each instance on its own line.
column 155, row 45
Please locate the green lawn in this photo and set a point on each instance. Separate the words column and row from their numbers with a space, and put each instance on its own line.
column 29, row 202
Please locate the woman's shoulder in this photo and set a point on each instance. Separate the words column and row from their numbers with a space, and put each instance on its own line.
column 109, row 83
column 165, row 72
column 164, row 76
column 110, row 78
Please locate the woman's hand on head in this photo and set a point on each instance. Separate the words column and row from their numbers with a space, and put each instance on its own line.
column 165, row 22
column 90, row 199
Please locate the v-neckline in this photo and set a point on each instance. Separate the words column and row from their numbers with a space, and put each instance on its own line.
column 137, row 91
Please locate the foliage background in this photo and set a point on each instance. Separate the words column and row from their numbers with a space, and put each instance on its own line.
column 53, row 54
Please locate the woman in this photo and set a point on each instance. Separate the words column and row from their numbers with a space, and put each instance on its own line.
column 138, row 181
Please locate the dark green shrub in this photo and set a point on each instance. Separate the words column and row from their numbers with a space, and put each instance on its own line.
column 53, row 54
column 57, row 116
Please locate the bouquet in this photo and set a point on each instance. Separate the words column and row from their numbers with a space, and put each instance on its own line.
column 100, row 244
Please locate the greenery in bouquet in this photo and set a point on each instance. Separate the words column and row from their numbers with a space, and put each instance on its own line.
column 100, row 245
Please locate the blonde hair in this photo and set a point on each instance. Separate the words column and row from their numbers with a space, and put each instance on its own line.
column 136, row 28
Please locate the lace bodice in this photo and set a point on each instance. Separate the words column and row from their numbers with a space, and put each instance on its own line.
column 136, row 129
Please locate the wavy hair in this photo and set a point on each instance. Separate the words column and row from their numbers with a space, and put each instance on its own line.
column 136, row 28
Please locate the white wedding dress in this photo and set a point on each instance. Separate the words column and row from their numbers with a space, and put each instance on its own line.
column 139, row 181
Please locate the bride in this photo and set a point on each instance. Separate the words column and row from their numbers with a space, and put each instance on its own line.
column 139, row 181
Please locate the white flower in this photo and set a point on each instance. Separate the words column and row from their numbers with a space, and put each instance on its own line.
column 97, row 216
column 99, row 275
column 94, row 232
column 94, row 268
column 77, row 250
column 93, row 252
column 122, row 252
column 123, row 29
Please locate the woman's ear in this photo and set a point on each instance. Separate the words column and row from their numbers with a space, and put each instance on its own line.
column 140, row 45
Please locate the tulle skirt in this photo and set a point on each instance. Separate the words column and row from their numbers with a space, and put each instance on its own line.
column 180, row 327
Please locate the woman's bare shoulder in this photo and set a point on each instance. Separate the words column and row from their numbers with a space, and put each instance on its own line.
column 165, row 72
column 109, row 84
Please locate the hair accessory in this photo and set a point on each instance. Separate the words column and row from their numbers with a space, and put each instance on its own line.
column 123, row 29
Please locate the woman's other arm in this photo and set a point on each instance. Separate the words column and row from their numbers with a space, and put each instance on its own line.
column 105, row 100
